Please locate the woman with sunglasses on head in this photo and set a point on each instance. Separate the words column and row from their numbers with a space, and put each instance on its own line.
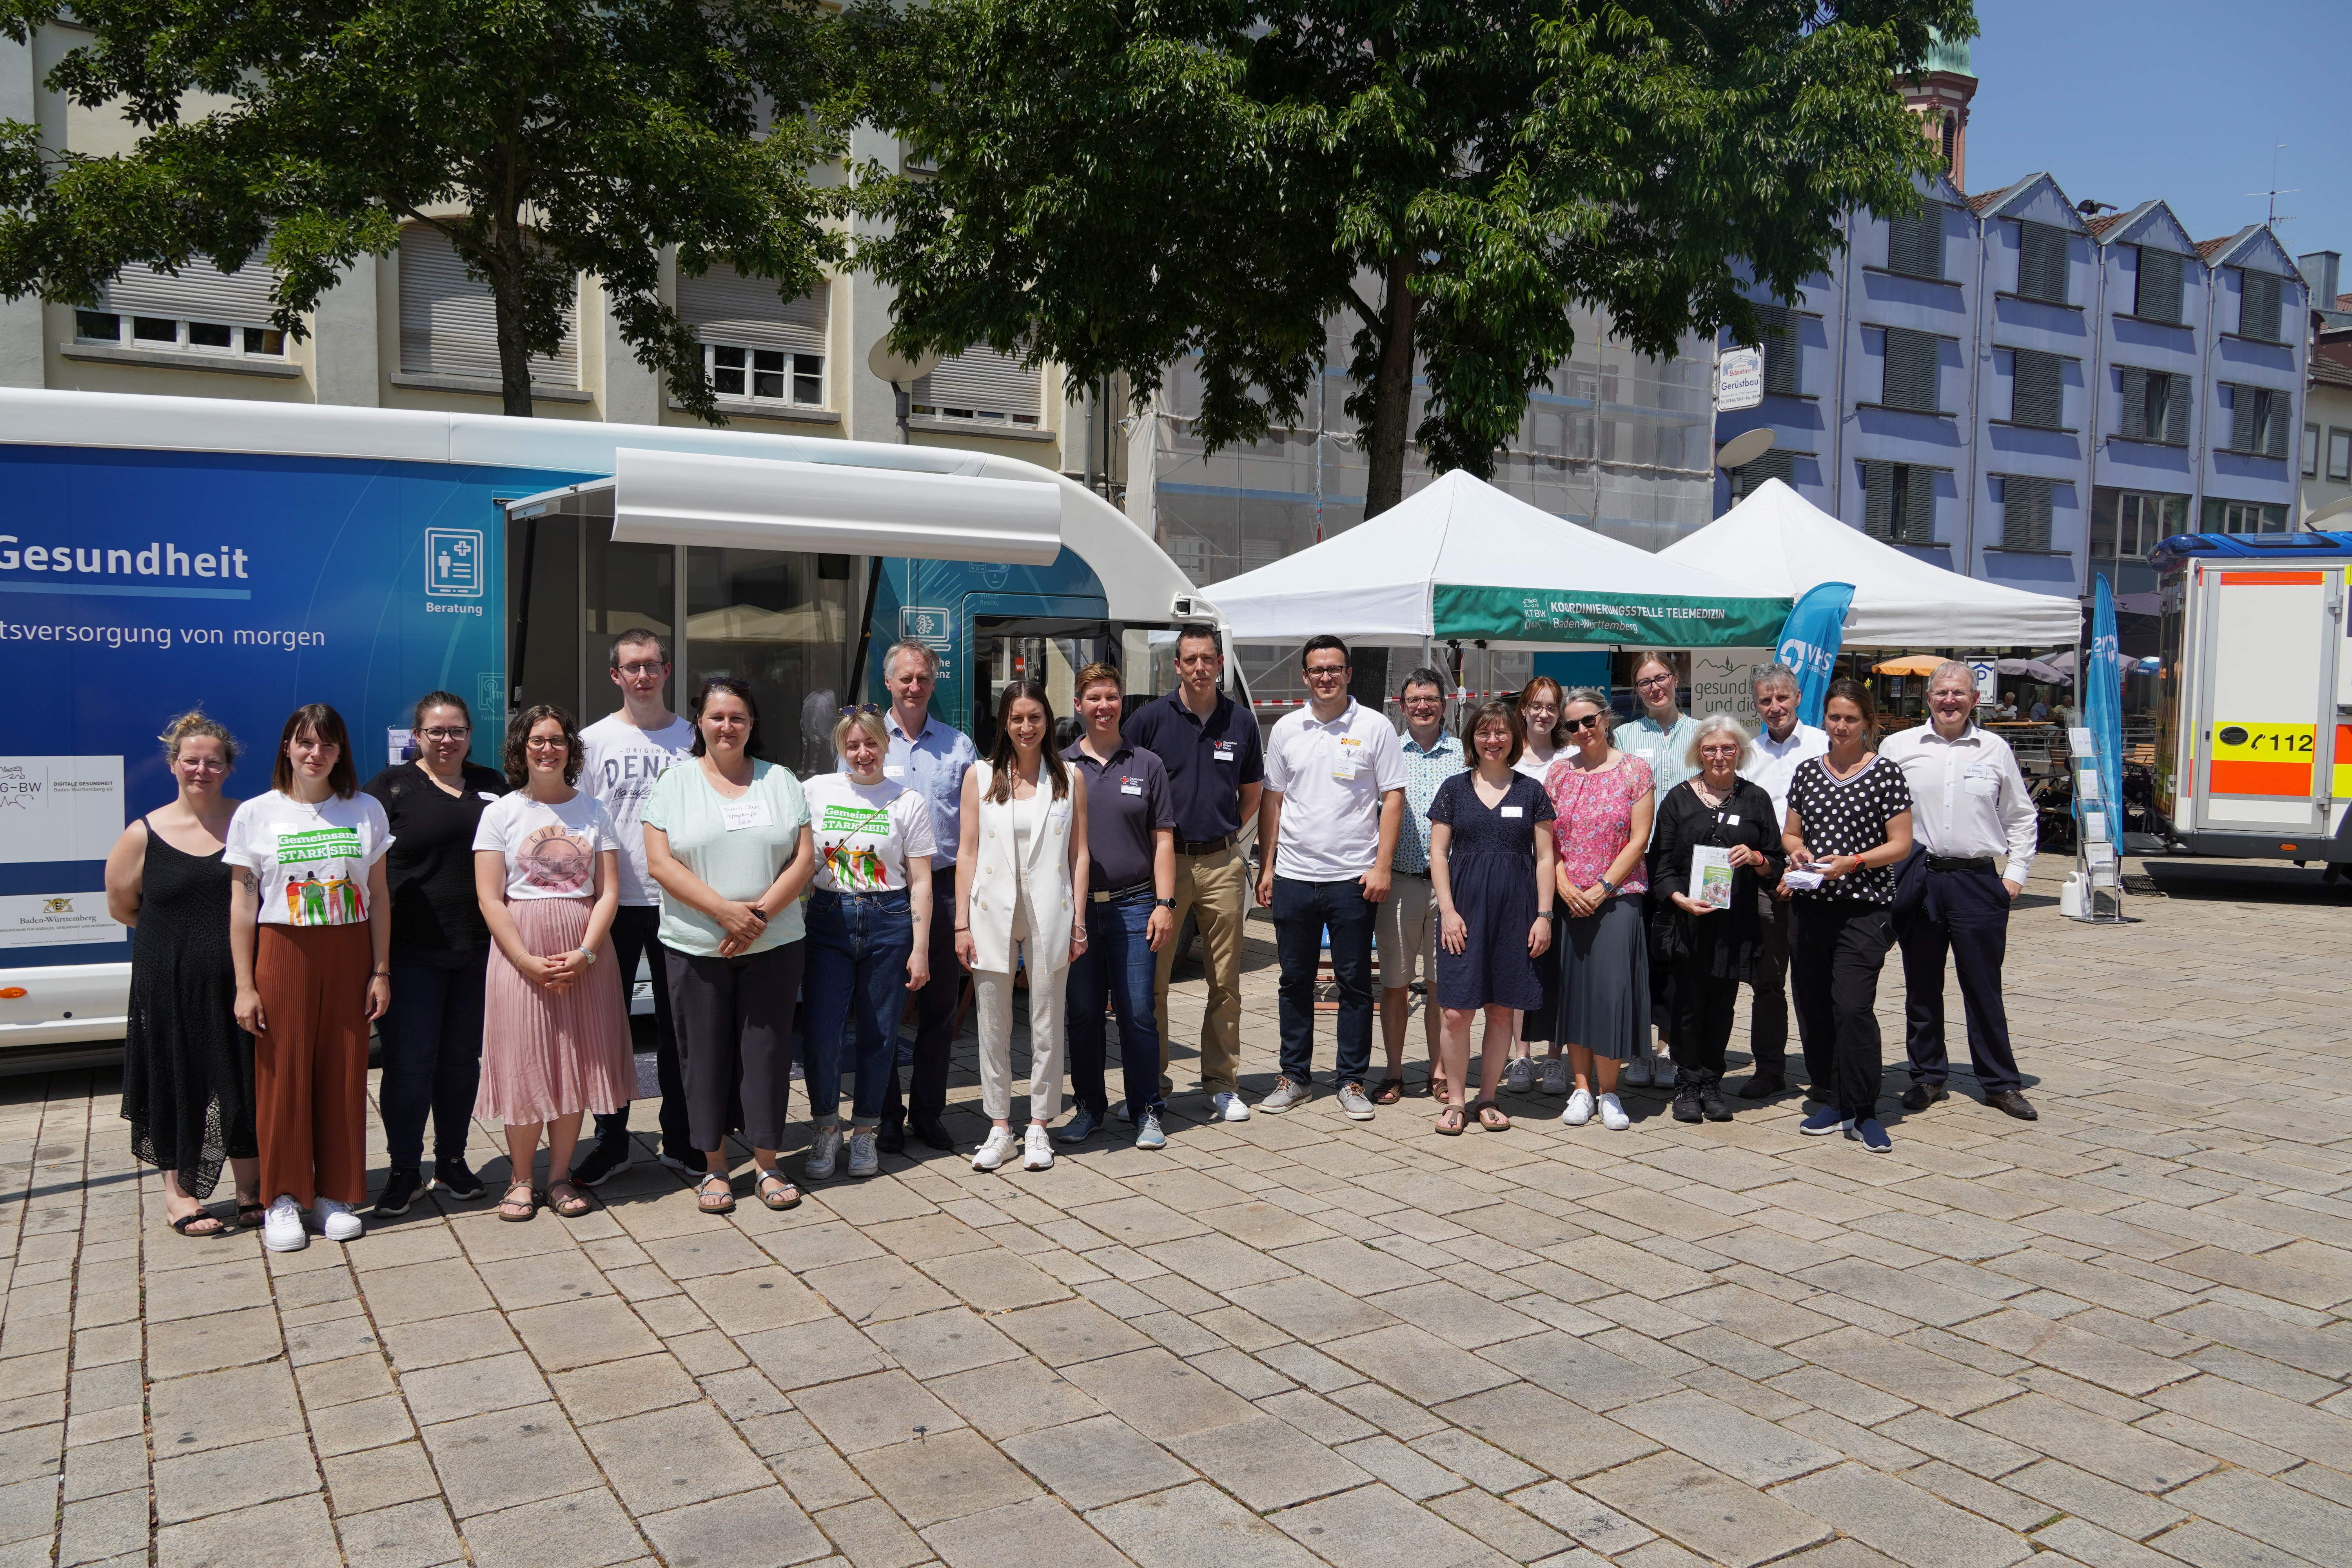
column 1538, row 704
column 869, row 920
column 1021, row 899
column 187, row 1069
column 311, row 933
column 1600, row 801
column 555, row 1037
column 727, row 842
column 432, row 1036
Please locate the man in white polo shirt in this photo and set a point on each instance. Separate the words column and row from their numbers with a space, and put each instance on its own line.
column 1327, row 831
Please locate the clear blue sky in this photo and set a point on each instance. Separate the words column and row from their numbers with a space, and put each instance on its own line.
column 2125, row 100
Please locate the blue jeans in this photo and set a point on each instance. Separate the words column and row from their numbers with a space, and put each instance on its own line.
column 432, row 1053
column 1302, row 911
column 1118, row 960
column 857, row 951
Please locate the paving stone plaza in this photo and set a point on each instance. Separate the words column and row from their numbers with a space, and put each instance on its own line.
column 2112, row 1337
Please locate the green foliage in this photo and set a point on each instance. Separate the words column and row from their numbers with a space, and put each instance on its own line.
column 1122, row 182
column 546, row 138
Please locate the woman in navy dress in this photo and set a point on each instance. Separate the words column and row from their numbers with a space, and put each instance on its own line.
column 1490, row 866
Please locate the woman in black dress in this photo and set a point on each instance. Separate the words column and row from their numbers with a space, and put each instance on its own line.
column 1706, row 948
column 1490, row 855
column 187, row 1069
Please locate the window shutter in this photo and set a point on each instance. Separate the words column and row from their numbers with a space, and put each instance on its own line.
column 202, row 292
column 1914, row 245
column 2243, row 434
column 2258, row 305
column 2036, row 390
column 723, row 306
column 1911, row 358
column 984, row 383
column 2025, row 513
column 2274, row 433
column 1877, row 499
column 1749, row 476
column 2159, row 285
column 2176, row 409
column 448, row 326
column 2133, row 424
column 1777, row 330
column 2041, row 262
column 1919, row 505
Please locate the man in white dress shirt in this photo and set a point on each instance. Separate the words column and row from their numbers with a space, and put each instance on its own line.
column 1771, row 763
column 1974, row 824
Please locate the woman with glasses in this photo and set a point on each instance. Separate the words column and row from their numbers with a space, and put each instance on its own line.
column 727, row 842
column 555, row 1037
column 1600, row 801
column 869, row 922
column 187, row 1069
column 432, row 1036
column 1661, row 738
column 1539, row 709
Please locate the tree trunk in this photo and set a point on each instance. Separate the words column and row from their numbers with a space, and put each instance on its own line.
column 506, row 288
column 1392, row 393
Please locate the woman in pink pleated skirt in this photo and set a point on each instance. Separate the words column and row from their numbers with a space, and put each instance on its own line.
column 556, row 1030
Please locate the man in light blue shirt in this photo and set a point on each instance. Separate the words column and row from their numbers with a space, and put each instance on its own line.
column 930, row 759
column 1406, row 925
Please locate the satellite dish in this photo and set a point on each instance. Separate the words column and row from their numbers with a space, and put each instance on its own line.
column 2333, row 508
column 1743, row 450
column 897, row 368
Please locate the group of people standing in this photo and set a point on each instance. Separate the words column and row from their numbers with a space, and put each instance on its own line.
column 489, row 921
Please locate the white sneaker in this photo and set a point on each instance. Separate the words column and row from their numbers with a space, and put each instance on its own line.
column 1612, row 1115
column 1580, row 1109
column 864, row 1160
column 1226, row 1106
column 992, row 1153
column 336, row 1221
column 281, row 1227
column 1555, row 1074
column 1038, row 1151
column 823, row 1153
column 1636, row 1069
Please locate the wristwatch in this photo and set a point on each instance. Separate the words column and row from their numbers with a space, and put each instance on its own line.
column 1165, row 904
column 1611, row 886
column 587, row 955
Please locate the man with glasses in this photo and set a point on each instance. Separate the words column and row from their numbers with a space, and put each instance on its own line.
column 622, row 753
column 1407, row 924
column 1772, row 760
column 1209, row 745
column 1327, row 834
column 1661, row 737
column 929, row 758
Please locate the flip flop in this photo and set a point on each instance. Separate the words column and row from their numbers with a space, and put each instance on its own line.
column 1389, row 1091
column 185, row 1220
column 1449, row 1122
column 1490, row 1117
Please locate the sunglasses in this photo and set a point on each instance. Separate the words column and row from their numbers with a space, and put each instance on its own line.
column 861, row 708
column 1587, row 722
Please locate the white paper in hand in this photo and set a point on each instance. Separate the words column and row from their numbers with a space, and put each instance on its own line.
column 1710, row 875
column 1802, row 879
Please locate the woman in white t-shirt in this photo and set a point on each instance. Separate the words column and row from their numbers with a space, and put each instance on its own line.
column 555, row 1030
column 868, row 943
column 310, row 930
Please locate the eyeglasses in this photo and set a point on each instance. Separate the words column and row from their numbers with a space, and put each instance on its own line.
column 1327, row 672
column 861, row 708
column 1587, row 722
column 641, row 669
column 1421, row 701
column 1647, row 681
column 444, row 732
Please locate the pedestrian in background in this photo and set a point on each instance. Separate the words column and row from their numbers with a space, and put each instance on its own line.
column 432, row 1034
column 1129, row 913
column 555, row 1037
column 727, row 842
column 1660, row 736
column 1772, row 761
column 868, row 921
column 1020, row 893
column 1709, row 948
column 1490, row 859
column 1601, row 802
column 1406, row 927
column 1974, row 827
column 1326, row 836
column 1538, row 705
column 311, row 935
column 1209, row 744
column 187, row 1069
column 1849, row 824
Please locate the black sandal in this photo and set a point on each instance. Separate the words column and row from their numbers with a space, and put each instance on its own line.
column 249, row 1217
column 185, row 1220
column 1490, row 1116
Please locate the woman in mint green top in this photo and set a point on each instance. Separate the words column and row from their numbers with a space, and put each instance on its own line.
column 727, row 842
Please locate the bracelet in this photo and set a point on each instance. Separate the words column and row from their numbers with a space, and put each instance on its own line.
column 379, row 974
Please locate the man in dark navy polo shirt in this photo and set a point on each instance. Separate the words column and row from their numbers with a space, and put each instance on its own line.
column 1216, row 767
column 1131, row 839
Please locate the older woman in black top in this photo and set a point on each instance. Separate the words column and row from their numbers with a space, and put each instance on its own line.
column 1705, row 943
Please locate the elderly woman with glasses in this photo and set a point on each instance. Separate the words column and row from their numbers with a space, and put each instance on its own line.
column 1716, row 845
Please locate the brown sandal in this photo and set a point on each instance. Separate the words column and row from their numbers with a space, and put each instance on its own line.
column 1449, row 1122
column 1437, row 1086
column 528, row 1203
column 725, row 1195
column 572, row 1207
column 1390, row 1090
column 1491, row 1117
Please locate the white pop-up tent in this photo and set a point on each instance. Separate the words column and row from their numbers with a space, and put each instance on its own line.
column 1776, row 542
column 1461, row 560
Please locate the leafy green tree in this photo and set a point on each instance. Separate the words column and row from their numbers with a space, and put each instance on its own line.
column 1120, row 183
column 568, row 136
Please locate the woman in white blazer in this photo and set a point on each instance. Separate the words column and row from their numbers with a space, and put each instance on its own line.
column 1021, row 897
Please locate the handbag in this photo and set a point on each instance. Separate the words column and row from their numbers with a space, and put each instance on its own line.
column 1669, row 932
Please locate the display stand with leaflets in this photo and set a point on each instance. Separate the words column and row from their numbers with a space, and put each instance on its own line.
column 2094, row 893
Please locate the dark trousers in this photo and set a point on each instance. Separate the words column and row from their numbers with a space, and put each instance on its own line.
column 1768, row 983
column 735, row 1042
column 857, row 948
column 1705, row 1007
column 1837, row 951
column 935, row 1017
column 432, row 1039
column 1119, row 964
column 634, row 935
column 1302, row 912
column 1965, row 913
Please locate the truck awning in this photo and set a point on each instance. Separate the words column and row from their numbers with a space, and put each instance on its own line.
column 828, row 509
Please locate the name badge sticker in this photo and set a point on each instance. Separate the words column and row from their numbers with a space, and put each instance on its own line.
column 1732, row 821
column 894, row 770
column 1227, row 750
column 1130, row 786
column 1515, row 811
column 751, row 811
